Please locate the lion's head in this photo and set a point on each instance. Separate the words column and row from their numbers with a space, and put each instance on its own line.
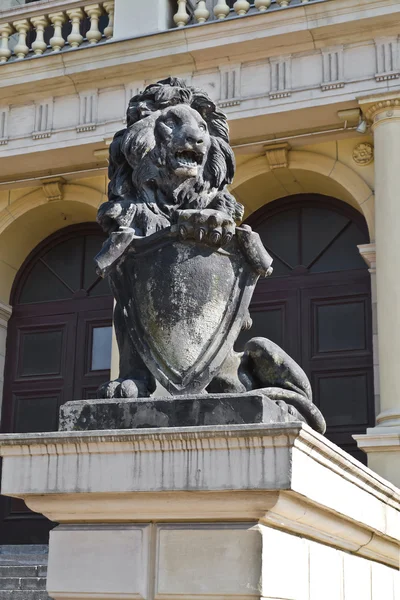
column 174, row 151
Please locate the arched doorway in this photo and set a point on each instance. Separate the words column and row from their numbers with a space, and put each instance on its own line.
column 58, row 348
column 317, row 305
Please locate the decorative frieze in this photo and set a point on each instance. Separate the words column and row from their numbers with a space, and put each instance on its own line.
column 88, row 105
column 332, row 68
column 4, row 116
column 131, row 90
column 43, row 119
column 363, row 154
column 230, row 86
column 281, row 77
column 277, row 155
column 387, row 63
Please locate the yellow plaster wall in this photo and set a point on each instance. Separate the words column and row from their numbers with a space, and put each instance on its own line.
column 27, row 217
column 324, row 168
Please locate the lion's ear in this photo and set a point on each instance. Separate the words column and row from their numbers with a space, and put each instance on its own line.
column 163, row 129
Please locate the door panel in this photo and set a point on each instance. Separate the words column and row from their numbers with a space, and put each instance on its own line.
column 274, row 317
column 51, row 360
column 324, row 285
column 40, row 361
column 93, row 352
column 337, row 356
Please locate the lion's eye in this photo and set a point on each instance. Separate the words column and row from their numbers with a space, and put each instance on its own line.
column 170, row 123
column 202, row 127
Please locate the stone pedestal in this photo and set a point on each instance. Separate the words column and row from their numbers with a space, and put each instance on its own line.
column 217, row 512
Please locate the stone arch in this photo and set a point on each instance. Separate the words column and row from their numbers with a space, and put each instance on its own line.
column 320, row 174
column 32, row 218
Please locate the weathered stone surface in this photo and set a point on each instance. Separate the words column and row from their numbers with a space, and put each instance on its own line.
column 190, row 411
column 181, row 271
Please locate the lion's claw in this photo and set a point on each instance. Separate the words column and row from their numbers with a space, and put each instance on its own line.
column 208, row 226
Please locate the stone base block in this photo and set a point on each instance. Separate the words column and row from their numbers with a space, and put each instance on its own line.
column 247, row 512
column 182, row 411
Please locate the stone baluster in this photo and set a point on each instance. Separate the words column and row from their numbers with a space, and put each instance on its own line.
column 221, row 10
column 241, row 7
column 93, row 11
column 182, row 17
column 262, row 5
column 109, row 30
column 5, row 32
column 57, row 41
column 22, row 27
column 283, row 3
column 75, row 38
column 39, row 45
column 201, row 13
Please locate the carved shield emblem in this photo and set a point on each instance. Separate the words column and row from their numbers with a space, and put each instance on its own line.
column 184, row 302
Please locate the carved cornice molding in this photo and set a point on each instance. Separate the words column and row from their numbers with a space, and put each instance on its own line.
column 277, row 155
column 376, row 109
column 5, row 312
column 368, row 252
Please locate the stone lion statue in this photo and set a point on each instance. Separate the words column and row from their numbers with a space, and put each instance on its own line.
column 169, row 168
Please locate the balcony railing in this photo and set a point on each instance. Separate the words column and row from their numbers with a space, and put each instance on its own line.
column 35, row 29
column 201, row 11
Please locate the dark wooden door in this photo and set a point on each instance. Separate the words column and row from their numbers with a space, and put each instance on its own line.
column 58, row 349
column 317, row 306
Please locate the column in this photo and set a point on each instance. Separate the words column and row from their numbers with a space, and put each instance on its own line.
column 385, row 117
column 382, row 443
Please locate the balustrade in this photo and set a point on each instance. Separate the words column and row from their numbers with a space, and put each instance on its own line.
column 199, row 11
column 37, row 32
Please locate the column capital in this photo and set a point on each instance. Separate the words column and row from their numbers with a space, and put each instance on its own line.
column 381, row 108
column 368, row 252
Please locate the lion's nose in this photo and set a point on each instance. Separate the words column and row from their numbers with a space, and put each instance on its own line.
column 196, row 140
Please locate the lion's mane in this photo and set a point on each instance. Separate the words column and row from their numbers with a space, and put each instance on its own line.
column 136, row 159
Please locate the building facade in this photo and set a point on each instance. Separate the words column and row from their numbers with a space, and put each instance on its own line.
column 312, row 93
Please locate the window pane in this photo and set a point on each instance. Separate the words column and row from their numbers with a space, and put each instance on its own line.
column 101, row 348
column 343, row 254
column 42, row 286
column 319, row 227
column 66, row 260
column 280, row 233
column 41, row 353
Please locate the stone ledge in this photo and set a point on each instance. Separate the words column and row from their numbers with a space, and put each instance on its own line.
column 181, row 411
column 285, row 475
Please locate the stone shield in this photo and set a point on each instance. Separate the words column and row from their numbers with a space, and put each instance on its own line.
column 184, row 302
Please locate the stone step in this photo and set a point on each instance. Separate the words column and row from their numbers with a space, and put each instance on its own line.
column 22, row 583
column 23, row 571
column 23, row 595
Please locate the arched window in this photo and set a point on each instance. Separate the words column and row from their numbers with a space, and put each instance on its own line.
column 317, row 305
column 58, row 348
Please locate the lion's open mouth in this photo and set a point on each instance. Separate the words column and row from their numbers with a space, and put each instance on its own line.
column 189, row 158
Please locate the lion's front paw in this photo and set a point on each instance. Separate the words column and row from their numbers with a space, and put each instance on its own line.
column 119, row 388
column 209, row 226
